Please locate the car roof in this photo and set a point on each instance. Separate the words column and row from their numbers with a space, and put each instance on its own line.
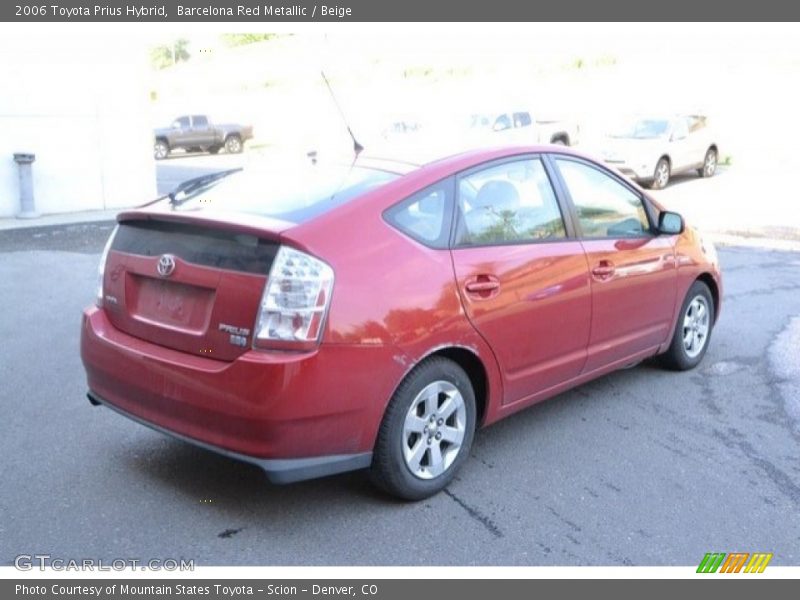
column 429, row 167
column 404, row 163
column 392, row 165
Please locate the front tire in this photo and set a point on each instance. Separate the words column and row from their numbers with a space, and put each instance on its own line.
column 427, row 431
column 692, row 331
column 233, row 144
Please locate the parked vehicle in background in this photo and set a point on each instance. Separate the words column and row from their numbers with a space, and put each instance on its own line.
column 652, row 149
column 521, row 127
column 198, row 134
column 457, row 131
column 373, row 314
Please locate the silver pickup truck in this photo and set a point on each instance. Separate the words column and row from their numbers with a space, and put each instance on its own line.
column 197, row 133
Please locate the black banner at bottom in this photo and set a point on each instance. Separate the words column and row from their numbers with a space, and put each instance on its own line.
column 385, row 589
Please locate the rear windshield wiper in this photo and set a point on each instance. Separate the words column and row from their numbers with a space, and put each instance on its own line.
column 191, row 187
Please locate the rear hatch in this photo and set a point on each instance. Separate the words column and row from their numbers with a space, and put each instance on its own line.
column 188, row 285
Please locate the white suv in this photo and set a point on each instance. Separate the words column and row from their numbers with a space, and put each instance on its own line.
column 651, row 149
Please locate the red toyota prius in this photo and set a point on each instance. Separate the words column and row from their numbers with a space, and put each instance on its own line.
column 319, row 318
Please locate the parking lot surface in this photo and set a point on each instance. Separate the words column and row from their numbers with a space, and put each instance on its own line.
column 642, row 467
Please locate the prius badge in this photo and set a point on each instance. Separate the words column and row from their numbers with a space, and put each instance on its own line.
column 166, row 265
column 238, row 334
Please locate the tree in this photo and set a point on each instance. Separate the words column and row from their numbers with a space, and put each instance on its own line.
column 241, row 39
column 168, row 55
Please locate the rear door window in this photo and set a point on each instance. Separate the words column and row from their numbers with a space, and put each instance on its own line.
column 200, row 121
column 522, row 119
column 696, row 123
column 680, row 129
column 508, row 203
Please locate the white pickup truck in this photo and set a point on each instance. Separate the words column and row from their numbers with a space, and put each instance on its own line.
column 523, row 127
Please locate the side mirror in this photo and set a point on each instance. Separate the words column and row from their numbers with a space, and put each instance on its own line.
column 670, row 223
column 176, row 124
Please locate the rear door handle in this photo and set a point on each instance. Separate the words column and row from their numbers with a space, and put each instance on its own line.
column 483, row 286
column 603, row 270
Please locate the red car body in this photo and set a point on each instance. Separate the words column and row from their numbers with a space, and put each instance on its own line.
column 524, row 321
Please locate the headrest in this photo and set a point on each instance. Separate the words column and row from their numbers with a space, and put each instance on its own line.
column 500, row 195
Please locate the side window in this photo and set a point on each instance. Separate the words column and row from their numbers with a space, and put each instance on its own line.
column 200, row 121
column 182, row 122
column 696, row 123
column 522, row 119
column 509, row 203
column 605, row 207
column 680, row 129
column 424, row 216
column 502, row 122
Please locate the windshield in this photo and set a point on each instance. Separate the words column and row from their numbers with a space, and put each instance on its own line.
column 295, row 193
column 643, row 129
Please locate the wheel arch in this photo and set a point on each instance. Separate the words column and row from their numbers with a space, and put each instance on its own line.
column 709, row 280
column 473, row 365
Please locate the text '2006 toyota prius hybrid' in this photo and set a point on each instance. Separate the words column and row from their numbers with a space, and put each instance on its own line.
column 320, row 319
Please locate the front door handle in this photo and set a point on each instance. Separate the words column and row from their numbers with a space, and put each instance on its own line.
column 483, row 286
column 603, row 270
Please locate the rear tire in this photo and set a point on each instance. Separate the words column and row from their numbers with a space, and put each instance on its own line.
column 709, row 164
column 692, row 331
column 427, row 431
column 160, row 150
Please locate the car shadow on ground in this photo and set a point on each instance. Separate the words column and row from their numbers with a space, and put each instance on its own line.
column 203, row 475
column 200, row 475
column 680, row 179
column 176, row 155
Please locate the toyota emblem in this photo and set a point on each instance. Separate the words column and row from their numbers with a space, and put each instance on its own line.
column 166, row 265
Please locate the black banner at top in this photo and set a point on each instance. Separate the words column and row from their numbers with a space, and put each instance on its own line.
column 263, row 11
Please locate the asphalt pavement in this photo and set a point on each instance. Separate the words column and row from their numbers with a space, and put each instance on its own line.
column 642, row 467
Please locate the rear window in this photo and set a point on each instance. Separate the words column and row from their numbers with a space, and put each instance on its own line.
column 295, row 193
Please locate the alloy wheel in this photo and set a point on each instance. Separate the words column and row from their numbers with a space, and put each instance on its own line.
column 434, row 430
column 233, row 145
column 710, row 163
column 696, row 325
column 662, row 174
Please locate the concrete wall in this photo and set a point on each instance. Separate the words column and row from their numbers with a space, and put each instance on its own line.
column 82, row 106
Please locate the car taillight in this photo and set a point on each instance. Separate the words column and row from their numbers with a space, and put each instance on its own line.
column 295, row 301
column 101, row 269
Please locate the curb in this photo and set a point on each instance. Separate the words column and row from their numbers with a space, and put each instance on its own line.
column 62, row 219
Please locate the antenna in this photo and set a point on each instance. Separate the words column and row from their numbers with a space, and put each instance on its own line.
column 357, row 148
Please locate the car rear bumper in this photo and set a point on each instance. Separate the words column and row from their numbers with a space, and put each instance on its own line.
column 296, row 415
column 286, row 470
